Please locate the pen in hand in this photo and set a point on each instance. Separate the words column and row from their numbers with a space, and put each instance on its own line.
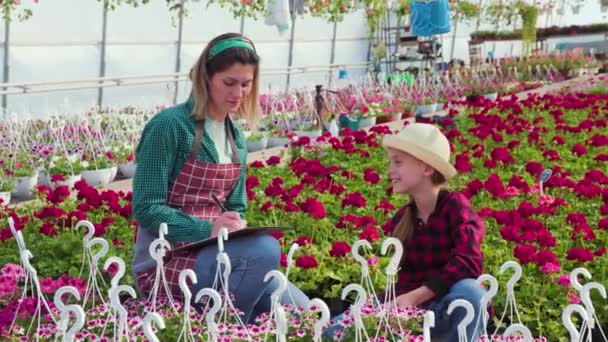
column 218, row 202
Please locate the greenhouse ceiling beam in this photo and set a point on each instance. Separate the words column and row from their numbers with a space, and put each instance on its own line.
column 166, row 42
column 6, row 66
column 178, row 52
column 102, row 53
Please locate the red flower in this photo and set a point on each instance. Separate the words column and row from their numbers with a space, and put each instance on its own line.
column 58, row 195
column 494, row 185
column 266, row 206
column 601, row 157
column 303, row 241
column 339, row 249
column 48, row 229
column 502, row 154
column 552, row 155
column 525, row 253
column 57, row 178
column 579, row 150
column 558, row 140
column 603, row 224
column 579, row 254
column 534, row 168
column 257, row 164
column 385, row 206
column 510, row 233
column 462, row 163
column 490, row 164
column 283, row 260
column 290, row 207
column 306, row 262
column 314, row 208
column 274, row 160
column 545, row 256
column 371, row 176
column 251, row 182
column 600, row 252
column 354, row 199
column 117, row 242
column 370, row 234
column 598, row 140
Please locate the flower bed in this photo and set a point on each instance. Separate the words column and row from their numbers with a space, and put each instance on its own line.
column 334, row 191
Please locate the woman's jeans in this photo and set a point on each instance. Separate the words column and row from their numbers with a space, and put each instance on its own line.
column 251, row 258
column 446, row 326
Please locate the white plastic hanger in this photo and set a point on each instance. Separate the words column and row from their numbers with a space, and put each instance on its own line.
column 152, row 317
column 468, row 318
column 323, row 321
column 59, row 304
column 93, row 290
column 86, row 252
column 186, row 332
column 485, row 300
column 567, row 320
column 276, row 309
column 121, row 327
column 157, row 251
column 366, row 281
column 292, row 251
column 429, row 322
column 78, row 325
column 355, row 309
column 390, row 303
column 586, row 299
column 121, row 267
column 511, row 304
column 212, row 329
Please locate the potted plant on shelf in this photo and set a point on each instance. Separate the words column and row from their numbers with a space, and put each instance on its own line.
column 125, row 159
column 257, row 141
column 7, row 185
column 68, row 167
column 100, row 168
column 26, row 176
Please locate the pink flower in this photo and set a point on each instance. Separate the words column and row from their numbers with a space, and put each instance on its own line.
column 371, row 176
column 550, row 268
column 573, row 299
column 303, row 241
column 373, row 260
column 564, row 280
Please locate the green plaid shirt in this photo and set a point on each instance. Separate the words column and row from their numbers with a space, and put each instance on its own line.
column 165, row 144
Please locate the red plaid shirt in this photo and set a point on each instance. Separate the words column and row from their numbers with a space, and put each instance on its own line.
column 444, row 250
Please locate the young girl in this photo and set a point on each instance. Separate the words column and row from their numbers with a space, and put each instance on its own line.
column 440, row 231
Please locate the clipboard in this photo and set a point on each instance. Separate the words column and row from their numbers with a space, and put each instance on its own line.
column 232, row 235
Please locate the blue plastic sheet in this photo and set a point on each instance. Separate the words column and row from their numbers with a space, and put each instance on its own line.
column 430, row 17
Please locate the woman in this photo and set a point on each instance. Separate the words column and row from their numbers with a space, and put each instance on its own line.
column 190, row 152
column 440, row 231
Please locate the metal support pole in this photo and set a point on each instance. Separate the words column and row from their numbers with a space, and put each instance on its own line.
column 453, row 40
column 178, row 53
column 291, row 41
column 242, row 30
column 102, row 59
column 6, row 68
column 332, row 55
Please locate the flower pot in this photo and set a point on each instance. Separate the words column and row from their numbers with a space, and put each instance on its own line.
column 406, row 114
column 5, row 197
column 127, row 170
column 99, row 177
column 332, row 127
column 422, row 110
column 346, row 121
column 45, row 179
column 311, row 134
column 24, row 187
column 257, row 145
column 367, row 122
column 277, row 141
column 384, row 119
column 113, row 174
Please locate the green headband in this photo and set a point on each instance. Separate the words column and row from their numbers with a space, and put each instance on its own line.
column 229, row 43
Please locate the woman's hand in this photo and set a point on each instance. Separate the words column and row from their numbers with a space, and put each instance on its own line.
column 230, row 220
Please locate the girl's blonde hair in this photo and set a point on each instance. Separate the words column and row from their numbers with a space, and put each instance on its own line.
column 404, row 228
column 204, row 69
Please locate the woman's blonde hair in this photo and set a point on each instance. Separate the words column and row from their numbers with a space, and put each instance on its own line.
column 205, row 68
column 404, row 228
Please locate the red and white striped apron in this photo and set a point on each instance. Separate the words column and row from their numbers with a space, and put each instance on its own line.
column 191, row 193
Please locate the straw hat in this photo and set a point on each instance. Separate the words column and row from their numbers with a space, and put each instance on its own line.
column 424, row 142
